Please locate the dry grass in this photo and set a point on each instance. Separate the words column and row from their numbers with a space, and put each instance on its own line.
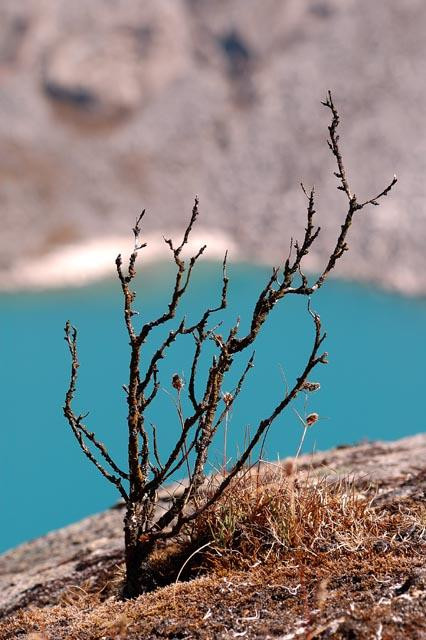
column 285, row 552
column 273, row 512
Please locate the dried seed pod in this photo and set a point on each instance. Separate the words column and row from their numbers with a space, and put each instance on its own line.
column 228, row 398
column 311, row 419
column 177, row 382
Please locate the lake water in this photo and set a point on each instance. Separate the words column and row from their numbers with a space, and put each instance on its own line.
column 372, row 387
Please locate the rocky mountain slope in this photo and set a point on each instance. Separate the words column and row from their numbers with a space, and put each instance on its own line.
column 68, row 565
column 109, row 107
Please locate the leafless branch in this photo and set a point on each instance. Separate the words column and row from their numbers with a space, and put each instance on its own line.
column 75, row 421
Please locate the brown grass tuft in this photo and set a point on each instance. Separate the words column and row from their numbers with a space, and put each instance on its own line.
column 272, row 513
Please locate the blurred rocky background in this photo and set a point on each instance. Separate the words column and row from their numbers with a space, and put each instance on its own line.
column 110, row 106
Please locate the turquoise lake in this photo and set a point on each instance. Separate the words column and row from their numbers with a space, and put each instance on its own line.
column 371, row 388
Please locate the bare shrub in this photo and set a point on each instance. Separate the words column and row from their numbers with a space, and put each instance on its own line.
column 140, row 483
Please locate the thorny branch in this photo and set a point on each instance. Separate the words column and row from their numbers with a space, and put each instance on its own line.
column 146, row 472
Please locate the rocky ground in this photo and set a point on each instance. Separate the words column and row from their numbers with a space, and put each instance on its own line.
column 65, row 585
column 109, row 107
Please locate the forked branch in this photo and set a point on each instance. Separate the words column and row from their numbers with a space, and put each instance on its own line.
column 78, row 428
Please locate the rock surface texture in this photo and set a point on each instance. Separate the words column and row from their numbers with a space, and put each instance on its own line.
column 39, row 572
column 109, row 107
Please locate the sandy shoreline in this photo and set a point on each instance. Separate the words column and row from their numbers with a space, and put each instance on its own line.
column 83, row 263
column 93, row 260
